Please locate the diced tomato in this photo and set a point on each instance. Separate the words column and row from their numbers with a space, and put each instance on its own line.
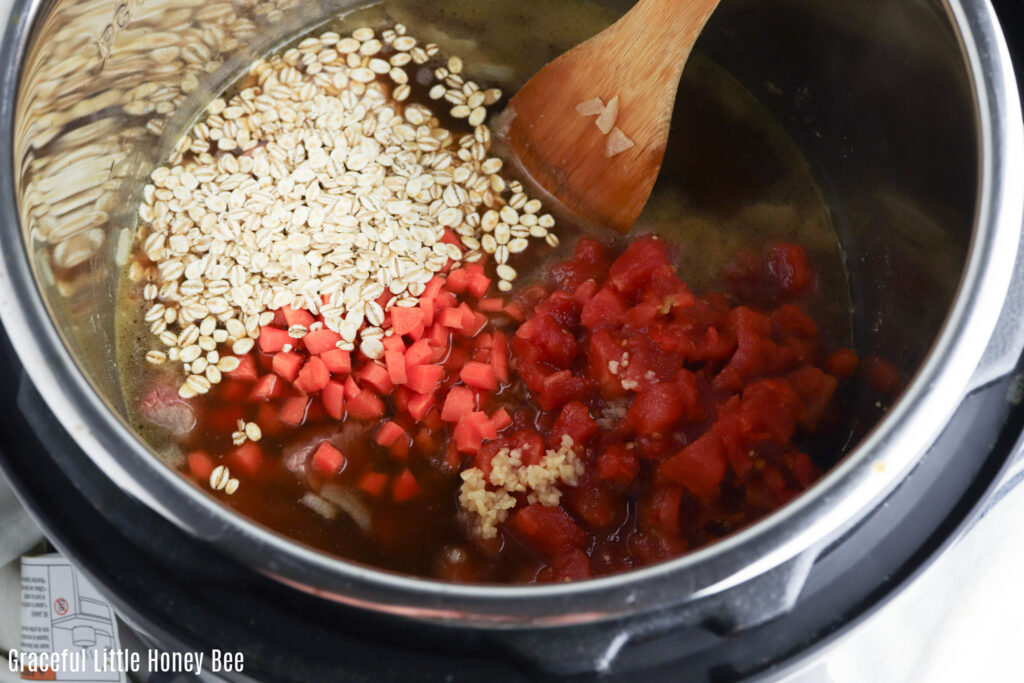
column 562, row 387
column 313, row 376
column 424, row 379
column 273, row 339
column 321, row 341
column 842, row 364
column 787, row 264
column 607, row 308
column 337, row 361
column 619, row 464
column 549, row 530
column 333, row 397
column 700, row 466
column 293, row 411
column 247, row 459
column 656, row 408
column 328, row 460
column 405, row 487
column 882, row 376
column 574, row 421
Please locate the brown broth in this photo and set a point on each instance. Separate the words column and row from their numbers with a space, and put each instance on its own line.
column 732, row 180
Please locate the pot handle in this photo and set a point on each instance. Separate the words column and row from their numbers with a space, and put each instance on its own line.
column 596, row 648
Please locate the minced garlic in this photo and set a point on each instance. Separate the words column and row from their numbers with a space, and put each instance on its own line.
column 509, row 475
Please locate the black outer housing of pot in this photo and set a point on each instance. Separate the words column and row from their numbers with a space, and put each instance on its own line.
column 182, row 594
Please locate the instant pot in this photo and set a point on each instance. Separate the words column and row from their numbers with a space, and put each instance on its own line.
column 909, row 114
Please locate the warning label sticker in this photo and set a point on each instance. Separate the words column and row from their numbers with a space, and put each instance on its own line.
column 68, row 630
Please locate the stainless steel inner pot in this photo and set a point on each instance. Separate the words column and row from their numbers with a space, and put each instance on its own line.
column 907, row 110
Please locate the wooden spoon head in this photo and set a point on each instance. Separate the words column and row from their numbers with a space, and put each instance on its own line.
column 606, row 178
column 591, row 126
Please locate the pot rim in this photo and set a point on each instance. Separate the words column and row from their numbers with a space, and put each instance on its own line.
column 800, row 529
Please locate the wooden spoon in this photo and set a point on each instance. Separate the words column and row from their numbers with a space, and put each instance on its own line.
column 591, row 126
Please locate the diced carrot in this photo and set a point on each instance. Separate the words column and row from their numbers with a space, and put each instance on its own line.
column 501, row 419
column 427, row 306
column 453, row 459
column 395, row 362
column 287, row 364
column 433, row 287
column 515, row 311
column 337, row 361
column 273, row 339
column 293, row 410
column 200, row 464
column 445, row 300
column 478, row 284
column 459, row 402
column 420, row 405
column 401, row 397
column 484, row 342
column 449, row 237
column 376, row 376
column 225, row 418
column 399, row 450
column 321, row 341
column 403, row 320
column 417, row 332
column 267, row 387
column 458, row 280
column 490, row 305
column 298, row 317
column 482, row 425
column 393, row 343
column 384, row 298
column 451, row 317
column 472, row 322
column 467, row 439
column 328, row 460
column 246, row 370
column 279, row 319
column 351, row 389
column 405, row 487
column 389, row 433
column 246, row 458
column 418, row 354
column 266, row 418
column 439, row 335
column 313, row 376
column 424, row 379
column 432, row 420
column 333, row 397
column 373, row 483
column 366, row 406
column 499, row 357
column 479, row 375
